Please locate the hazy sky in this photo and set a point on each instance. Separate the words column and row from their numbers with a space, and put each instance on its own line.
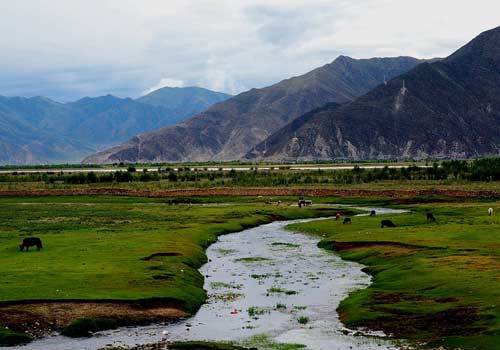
column 67, row 49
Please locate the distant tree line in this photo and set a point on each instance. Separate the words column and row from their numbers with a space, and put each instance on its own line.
column 487, row 169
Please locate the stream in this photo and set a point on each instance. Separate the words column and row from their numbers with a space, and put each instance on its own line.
column 263, row 283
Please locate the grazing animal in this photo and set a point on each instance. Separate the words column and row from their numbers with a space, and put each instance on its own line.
column 31, row 242
column 338, row 215
column 490, row 211
column 373, row 213
column 347, row 221
column 430, row 217
column 387, row 223
column 304, row 202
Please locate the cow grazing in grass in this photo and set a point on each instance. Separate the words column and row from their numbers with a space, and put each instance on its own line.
column 304, row 202
column 373, row 213
column 347, row 221
column 490, row 211
column 430, row 217
column 31, row 242
column 387, row 223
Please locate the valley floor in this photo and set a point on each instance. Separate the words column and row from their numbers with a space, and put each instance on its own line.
column 434, row 283
column 134, row 260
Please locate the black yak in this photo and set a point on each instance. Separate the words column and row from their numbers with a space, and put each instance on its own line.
column 387, row 223
column 430, row 217
column 31, row 242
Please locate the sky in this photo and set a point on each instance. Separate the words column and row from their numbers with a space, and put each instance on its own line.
column 69, row 49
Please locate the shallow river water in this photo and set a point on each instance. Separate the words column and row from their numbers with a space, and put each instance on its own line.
column 260, row 281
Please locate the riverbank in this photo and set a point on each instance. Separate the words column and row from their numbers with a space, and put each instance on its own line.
column 433, row 283
column 131, row 260
column 268, row 288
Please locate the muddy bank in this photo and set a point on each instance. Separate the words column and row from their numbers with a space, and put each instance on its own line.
column 43, row 318
column 251, row 191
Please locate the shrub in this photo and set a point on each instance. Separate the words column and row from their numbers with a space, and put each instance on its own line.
column 10, row 338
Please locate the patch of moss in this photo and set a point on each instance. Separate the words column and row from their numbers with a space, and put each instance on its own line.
column 10, row 338
column 201, row 345
column 252, row 259
column 84, row 327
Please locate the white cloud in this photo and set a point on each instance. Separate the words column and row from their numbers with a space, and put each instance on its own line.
column 68, row 49
column 165, row 82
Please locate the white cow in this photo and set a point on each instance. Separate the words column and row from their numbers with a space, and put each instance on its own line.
column 490, row 211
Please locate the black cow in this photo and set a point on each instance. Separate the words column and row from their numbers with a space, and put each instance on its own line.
column 31, row 242
column 430, row 217
column 373, row 213
column 387, row 223
column 347, row 221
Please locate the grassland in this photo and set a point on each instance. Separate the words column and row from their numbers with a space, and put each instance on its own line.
column 137, row 255
column 433, row 283
column 136, row 259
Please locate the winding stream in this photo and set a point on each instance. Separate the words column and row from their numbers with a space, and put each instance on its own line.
column 260, row 281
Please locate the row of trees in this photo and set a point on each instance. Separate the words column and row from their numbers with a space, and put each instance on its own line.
column 477, row 170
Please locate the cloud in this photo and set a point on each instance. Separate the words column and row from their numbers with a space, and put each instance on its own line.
column 70, row 49
column 165, row 82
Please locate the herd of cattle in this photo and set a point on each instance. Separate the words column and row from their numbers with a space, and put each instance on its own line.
column 37, row 242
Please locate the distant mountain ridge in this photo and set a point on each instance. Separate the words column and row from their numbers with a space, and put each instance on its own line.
column 445, row 109
column 228, row 130
column 39, row 130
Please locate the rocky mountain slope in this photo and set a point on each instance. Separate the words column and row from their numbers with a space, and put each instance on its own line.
column 445, row 109
column 39, row 130
column 228, row 130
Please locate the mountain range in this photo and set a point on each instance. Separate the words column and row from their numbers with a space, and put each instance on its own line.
column 38, row 130
column 444, row 109
column 377, row 108
column 228, row 130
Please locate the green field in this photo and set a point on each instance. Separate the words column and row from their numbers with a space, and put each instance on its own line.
column 437, row 283
column 113, row 249
column 98, row 247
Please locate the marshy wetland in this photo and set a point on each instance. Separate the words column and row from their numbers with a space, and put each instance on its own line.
column 288, row 293
column 236, row 269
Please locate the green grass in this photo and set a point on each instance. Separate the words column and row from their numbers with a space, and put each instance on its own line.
column 280, row 306
column 103, row 248
column 202, row 345
column 278, row 290
column 252, row 259
column 255, row 311
column 434, row 283
column 303, row 320
column 264, row 342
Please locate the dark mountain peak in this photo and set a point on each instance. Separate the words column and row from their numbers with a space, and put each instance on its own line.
column 439, row 109
column 228, row 130
column 484, row 48
column 344, row 59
